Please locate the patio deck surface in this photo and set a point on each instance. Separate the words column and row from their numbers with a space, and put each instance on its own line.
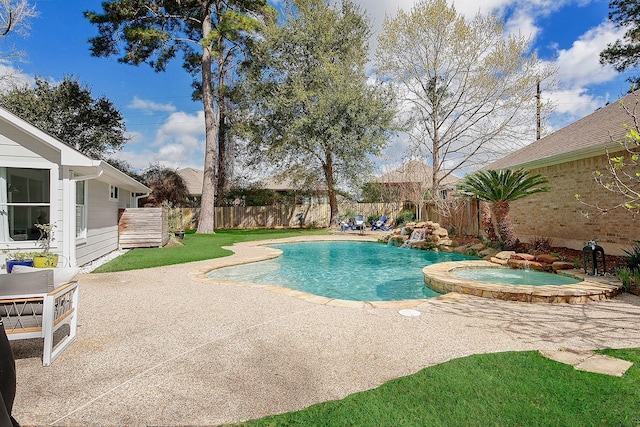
column 164, row 346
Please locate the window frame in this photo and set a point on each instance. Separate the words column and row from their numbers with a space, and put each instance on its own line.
column 53, row 201
column 114, row 193
column 82, row 236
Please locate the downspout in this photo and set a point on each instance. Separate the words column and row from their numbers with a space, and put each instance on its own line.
column 142, row 196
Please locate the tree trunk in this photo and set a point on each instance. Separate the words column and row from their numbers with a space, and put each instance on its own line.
column 222, row 153
column 435, row 164
column 211, row 119
column 331, row 189
column 487, row 223
column 507, row 234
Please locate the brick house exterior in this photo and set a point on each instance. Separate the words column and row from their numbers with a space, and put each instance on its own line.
column 568, row 158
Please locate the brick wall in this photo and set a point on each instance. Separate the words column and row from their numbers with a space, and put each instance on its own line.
column 559, row 216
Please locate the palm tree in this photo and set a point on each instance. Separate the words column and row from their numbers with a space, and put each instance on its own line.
column 500, row 187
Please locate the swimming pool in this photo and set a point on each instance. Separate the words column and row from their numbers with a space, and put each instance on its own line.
column 357, row 271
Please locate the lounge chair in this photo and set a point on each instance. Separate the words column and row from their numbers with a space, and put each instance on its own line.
column 381, row 224
column 359, row 223
column 346, row 224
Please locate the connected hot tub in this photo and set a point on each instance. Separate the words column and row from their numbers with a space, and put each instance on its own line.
column 479, row 279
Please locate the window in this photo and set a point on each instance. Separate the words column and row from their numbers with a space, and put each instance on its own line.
column 113, row 193
column 81, row 210
column 25, row 200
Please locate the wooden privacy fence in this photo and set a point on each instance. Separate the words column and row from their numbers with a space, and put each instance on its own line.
column 143, row 227
column 459, row 215
column 272, row 216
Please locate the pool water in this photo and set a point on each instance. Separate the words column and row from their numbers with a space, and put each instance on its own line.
column 358, row 271
column 510, row 276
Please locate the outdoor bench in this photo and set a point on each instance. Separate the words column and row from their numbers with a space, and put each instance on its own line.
column 32, row 305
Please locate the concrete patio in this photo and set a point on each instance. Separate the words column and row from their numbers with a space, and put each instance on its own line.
column 165, row 346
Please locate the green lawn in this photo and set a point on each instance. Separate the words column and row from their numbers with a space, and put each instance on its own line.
column 196, row 247
column 501, row 389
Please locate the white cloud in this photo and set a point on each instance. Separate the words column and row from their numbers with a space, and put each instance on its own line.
column 150, row 106
column 184, row 128
column 11, row 76
column 522, row 23
column 134, row 137
column 579, row 69
column 178, row 143
column 580, row 65
column 571, row 104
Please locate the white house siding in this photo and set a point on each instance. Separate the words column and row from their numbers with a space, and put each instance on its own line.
column 21, row 155
column 102, row 224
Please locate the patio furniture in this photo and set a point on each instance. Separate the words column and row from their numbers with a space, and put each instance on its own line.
column 381, row 224
column 359, row 223
column 32, row 305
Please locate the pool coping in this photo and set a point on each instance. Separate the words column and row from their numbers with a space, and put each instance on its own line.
column 439, row 278
column 254, row 251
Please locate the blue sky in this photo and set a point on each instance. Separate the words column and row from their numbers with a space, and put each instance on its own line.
column 167, row 127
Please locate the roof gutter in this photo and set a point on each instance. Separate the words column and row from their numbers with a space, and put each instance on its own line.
column 89, row 176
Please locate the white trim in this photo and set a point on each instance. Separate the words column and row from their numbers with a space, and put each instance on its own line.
column 53, row 200
column 569, row 157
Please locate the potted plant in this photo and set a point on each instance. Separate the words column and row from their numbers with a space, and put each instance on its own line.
column 14, row 258
column 175, row 222
column 45, row 259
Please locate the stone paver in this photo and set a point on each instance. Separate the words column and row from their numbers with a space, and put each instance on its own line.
column 589, row 361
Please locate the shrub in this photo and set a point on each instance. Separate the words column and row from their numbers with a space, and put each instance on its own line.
column 471, row 252
column 624, row 274
column 632, row 257
column 628, row 277
column 405, row 217
column 540, row 245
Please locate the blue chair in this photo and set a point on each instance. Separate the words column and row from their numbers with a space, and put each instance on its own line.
column 359, row 223
column 381, row 224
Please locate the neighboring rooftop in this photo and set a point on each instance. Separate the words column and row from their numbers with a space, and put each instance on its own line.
column 588, row 135
column 413, row 171
column 193, row 179
column 286, row 182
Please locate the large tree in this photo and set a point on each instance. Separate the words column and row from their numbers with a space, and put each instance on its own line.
column 210, row 34
column 313, row 111
column 68, row 111
column 624, row 53
column 499, row 188
column 167, row 186
column 465, row 85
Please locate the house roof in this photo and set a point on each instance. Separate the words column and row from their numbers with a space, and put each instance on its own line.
column 69, row 156
column 193, row 179
column 284, row 182
column 586, row 137
column 414, row 171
